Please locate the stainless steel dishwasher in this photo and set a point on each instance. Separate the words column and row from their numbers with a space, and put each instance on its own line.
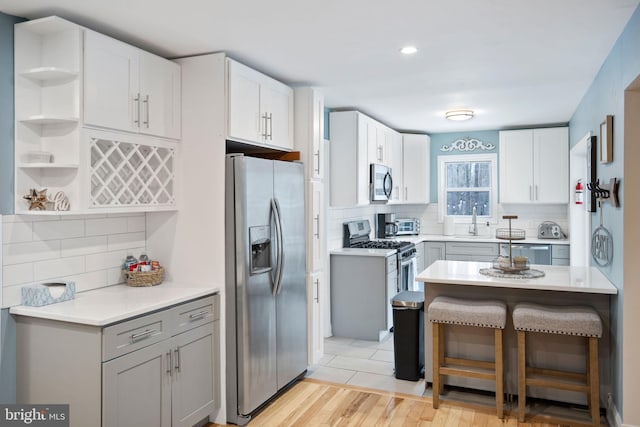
column 536, row 253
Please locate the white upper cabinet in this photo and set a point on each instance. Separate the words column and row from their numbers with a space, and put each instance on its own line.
column 349, row 158
column 415, row 168
column 260, row 108
column 128, row 89
column 309, row 130
column 534, row 166
column 160, row 96
column 394, row 150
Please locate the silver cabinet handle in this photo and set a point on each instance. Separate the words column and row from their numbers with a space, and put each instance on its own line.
column 176, row 359
column 199, row 314
column 406, row 193
column 143, row 334
column 380, row 153
column 317, row 156
column 136, row 99
column 531, row 192
column 169, row 362
column 265, row 133
column 146, row 102
column 317, row 298
column 271, row 126
column 317, row 220
column 536, row 192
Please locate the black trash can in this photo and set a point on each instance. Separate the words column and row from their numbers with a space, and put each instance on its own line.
column 408, row 335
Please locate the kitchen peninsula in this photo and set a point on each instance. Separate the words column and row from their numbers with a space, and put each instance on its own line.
column 561, row 285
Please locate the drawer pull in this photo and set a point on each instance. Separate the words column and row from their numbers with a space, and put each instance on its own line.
column 143, row 334
column 169, row 362
column 199, row 314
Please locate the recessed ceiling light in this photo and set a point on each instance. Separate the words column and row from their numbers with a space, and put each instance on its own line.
column 459, row 115
column 409, row 50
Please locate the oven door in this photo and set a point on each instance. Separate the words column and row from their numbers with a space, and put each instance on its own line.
column 407, row 274
column 380, row 183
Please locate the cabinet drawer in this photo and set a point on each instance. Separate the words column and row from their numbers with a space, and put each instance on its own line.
column 560, row 251
column 134, row 334
column 195, row 313
column 479, row 249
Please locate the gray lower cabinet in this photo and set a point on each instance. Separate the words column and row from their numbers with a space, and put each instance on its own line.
column 155, row 370
column 361, row 292
column 471, row 251
column 433, row 251
column 560, row 254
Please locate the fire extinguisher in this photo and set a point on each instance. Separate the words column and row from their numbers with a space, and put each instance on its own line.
column 579, row 193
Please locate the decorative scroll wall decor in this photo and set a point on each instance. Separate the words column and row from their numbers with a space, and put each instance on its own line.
column 468, row 144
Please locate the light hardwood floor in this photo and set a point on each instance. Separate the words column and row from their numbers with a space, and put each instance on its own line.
column 317, row 403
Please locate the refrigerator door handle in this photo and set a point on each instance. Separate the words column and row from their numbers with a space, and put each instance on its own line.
column 275, row 278
column 280, row 246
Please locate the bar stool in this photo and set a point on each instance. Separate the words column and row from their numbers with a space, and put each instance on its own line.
column 581, row 321
column 483, row 314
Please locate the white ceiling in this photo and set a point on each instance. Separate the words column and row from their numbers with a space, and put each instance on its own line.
column 515, row 62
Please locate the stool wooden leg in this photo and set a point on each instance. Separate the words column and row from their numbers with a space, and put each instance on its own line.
column 436, row 364
column 522, row 376
column 442, row 347
column 499, row 373
column 592, row 378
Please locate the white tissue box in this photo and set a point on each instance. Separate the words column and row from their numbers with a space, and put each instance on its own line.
column 48, row 293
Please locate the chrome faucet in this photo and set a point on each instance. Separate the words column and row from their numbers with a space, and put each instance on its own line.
column 473, row 229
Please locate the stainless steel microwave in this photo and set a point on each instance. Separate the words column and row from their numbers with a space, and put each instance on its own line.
column 380, row 183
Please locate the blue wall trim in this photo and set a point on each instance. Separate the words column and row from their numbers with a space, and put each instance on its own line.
column 6, row 112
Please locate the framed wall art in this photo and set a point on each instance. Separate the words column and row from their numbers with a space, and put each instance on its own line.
column 606, row 140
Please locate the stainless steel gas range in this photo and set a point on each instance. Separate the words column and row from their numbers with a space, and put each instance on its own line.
column 365, row 275
column 356, row 235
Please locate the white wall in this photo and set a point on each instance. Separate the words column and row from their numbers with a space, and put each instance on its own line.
column 88, row 249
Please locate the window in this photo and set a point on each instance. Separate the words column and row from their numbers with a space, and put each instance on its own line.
column 467, row 181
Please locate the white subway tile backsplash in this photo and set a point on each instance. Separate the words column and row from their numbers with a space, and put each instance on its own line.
column 88, row 281
column 65, row 229
column 105, row 260
column 126, row 241
column 135, row 224
column 56, row 268
column 88, row 249
column 17, row 231
column 105, row 226
column 11, row 295
column 30, row 251
column 17, row 273
column 83, row 246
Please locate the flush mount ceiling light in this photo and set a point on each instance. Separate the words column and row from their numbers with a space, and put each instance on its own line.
column 408, row 50
column 459, row 115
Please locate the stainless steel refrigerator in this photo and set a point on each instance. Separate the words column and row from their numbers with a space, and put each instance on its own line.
column 266, row 307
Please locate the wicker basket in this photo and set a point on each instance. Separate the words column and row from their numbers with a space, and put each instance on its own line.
column 144, row 278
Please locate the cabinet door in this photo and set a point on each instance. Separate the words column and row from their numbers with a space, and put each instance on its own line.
column 433, row 251
column 415, row 168
column 136, row 388
column 551, row 165
column 276, row 104
column 160, row 96
column 316, row 226
column 193, row 391
column 315, row 283
column 111, row 92
column 318, row 136
column 245, row 122
column 394, row 150
column 372, row 140
column 516, row 166
column 390, row 292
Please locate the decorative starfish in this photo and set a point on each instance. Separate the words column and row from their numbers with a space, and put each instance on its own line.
column 37, row 199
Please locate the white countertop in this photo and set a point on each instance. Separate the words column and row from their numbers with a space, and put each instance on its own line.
column 363, row 252
column 557, row 278
column 487, row 239
column 101, row 307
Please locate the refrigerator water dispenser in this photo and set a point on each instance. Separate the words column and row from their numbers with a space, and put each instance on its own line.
column 260, row 238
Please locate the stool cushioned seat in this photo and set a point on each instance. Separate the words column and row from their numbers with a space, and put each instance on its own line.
column 571, row 320
column 485, row 314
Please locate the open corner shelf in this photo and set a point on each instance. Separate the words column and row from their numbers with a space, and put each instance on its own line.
column 49, row 119
column 48, row 166
column 49, row 73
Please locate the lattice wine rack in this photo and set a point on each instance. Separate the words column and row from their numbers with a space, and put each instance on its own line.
column 131, row 174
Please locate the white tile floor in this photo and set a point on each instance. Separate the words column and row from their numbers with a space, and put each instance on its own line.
column 362, row 363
